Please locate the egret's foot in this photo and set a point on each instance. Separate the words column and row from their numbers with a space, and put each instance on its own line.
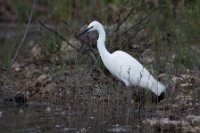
column 156, row 99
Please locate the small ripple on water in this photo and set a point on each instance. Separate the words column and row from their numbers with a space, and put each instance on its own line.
column 30, row 130
column 119, row 129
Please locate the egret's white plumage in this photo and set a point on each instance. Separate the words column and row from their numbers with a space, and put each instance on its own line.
column 124, row 66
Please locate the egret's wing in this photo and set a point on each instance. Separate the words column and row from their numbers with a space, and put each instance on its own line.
column 132, row 72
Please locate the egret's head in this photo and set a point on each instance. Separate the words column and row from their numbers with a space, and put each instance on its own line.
column 91, row 27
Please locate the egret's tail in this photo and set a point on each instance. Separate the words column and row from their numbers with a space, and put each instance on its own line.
column 155, row 86
column 160, row 88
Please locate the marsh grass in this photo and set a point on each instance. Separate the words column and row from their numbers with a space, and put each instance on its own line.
column 84, row 90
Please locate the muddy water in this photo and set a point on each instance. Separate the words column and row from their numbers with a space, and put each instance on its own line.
column 41, row 117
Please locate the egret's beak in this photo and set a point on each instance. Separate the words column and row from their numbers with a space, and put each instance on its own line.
column 85, row 31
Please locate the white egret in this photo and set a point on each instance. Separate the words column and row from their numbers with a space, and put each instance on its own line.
column 124, row 66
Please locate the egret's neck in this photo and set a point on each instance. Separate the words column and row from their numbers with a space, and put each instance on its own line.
column 101, row 44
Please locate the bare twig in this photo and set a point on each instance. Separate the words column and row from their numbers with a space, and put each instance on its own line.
column 141, row 21
column 67, row 25
column 77, row 37
column 26, row 31
column 65, row 22
column 64, row 39
column 125, row 18
column 121, row 22
column 52, row 30
column 56, row 33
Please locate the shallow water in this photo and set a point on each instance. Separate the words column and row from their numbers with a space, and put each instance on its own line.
column 39, row 117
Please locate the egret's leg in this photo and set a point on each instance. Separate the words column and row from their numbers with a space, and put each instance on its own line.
column 128, row 103
column 141, row 100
